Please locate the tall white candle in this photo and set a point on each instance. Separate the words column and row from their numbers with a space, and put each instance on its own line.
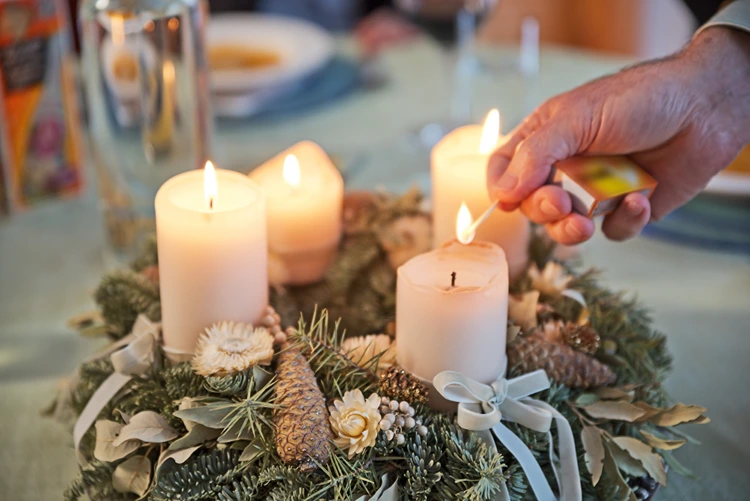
column 446, row 324
column 459, row 174
column 211, row 235
column 304, row 192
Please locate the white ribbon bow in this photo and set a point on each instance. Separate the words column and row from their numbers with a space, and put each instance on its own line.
column 131, row 356
column 481, row 407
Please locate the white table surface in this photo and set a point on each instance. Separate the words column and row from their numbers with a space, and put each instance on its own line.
column 51, row 259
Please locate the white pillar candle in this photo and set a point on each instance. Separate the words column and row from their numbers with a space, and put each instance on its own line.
column 459, row 174
column 445, row 324
column 304, row 193
column 211, row 236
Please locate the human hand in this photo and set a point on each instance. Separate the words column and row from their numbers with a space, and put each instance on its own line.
column 683, row 119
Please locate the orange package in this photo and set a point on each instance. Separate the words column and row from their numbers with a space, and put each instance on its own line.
column 39, row 130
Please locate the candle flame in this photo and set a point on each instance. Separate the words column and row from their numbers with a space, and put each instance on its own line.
column 490, row 132
column 117, row 29
column 463, row 221
column 291, row 171
column 210, row 187
column 167, row 72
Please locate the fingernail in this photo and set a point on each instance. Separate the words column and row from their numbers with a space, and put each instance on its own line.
column 634, row 209
column 572, row 230
column 548, row 209
column 507, row 182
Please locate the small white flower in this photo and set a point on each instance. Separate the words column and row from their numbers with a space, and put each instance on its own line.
column 355, row 421
column 229, row 348
column 552, row 280
column 362, row 349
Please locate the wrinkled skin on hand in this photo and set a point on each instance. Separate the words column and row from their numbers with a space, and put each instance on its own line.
column 683, row 119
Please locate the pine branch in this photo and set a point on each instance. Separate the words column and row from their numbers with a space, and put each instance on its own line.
column 122, row 296
column 94, row 481
column 201, row 477
column 335, row 372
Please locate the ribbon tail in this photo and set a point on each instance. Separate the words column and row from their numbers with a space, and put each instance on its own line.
column 525, row 458
column 568, row 476
column 99, row 399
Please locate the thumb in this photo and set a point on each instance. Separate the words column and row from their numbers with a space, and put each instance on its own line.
column 523, row 163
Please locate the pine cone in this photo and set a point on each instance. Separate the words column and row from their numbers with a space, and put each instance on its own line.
column 397, row 384
column 582, row 338
column 561, row 362
column 303, row 434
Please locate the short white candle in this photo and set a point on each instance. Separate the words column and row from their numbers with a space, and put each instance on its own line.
column 304, row 193
column 460, row 325
column 459, row 174
column 211, row 235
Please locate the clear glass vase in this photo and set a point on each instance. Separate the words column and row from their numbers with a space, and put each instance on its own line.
column 146, row 83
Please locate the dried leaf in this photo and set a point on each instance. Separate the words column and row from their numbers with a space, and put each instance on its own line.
column 132, row 475
column 105, row 450
column 614, row 409
column 668, row 433
column 179, row 456
column 261, row 377
column 512, row 332
column 238, row 431
column 147, row 426
column 660, row 443
column 680, row 413
column 522, row 311
column 649, row 411
column 626, row 463
column 651, row 461
column 592, row 444
column 585, row 399
column 613, row 474
column 251, row 452
column 197, row 435
column 214, row 415
column 607, row 393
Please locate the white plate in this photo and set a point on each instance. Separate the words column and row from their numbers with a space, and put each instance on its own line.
column 730, row 183
column 303, row 47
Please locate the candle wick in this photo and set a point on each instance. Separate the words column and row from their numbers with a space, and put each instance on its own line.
column 453, row 279
column 211, row 203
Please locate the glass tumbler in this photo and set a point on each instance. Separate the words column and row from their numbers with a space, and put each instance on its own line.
column 146, row 81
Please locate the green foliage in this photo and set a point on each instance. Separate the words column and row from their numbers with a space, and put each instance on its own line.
column 94, row 481
column 448, row 463
column 422, row 466
column 473, row 472
column 336, row 374
column 91, row 375
column 202, row 477
column 148, row 255
column 162, row 392
column 122, row 296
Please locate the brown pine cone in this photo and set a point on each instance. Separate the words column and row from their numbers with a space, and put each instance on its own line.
column 398, row 384
column 562, row 363
column 582, row 338
column 303, row 434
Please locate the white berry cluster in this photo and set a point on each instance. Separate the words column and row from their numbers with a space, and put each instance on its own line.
column 397, row 418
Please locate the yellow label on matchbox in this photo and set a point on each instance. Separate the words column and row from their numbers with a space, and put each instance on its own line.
column 597, row 185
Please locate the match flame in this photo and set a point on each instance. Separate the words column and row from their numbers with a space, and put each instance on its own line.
column 210, row 188
column 490, row 132
column 291, row 171
column 463, row 221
